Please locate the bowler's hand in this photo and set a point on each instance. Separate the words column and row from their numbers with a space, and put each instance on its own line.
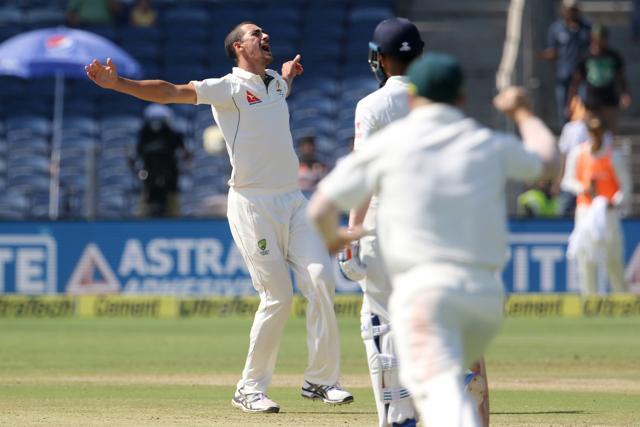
column 292, row 69
column 105, row 76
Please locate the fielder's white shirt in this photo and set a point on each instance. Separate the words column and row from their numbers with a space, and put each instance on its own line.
column 440, row 178
column 254, row 120
column 373, row 113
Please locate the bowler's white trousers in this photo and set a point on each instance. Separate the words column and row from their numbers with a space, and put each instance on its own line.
column 444, row 317
column 273, row 234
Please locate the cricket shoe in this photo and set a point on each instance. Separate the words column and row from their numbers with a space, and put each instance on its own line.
column 329, row 394
column 410, row 422
column 474, row 385
column 254, row 402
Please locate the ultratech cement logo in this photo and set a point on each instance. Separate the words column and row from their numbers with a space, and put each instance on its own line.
column 219, row 307
column 121, row 307
column 615, row 305
column 543, row 305
column 25, row 307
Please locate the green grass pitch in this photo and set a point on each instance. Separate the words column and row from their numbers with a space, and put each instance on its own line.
column 146, row 372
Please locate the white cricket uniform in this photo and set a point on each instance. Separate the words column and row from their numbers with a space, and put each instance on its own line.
column 614, row 240
column 373, row 113
column 266, row 213
column 440, row 178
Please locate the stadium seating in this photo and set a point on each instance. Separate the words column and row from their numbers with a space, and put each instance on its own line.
column 186, row 44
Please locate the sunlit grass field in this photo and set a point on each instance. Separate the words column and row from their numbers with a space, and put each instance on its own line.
column 153, row 372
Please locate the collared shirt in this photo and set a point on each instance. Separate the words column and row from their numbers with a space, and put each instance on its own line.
column 254, row 119
column 440, row 178
column 378, row 109
column 373, row 113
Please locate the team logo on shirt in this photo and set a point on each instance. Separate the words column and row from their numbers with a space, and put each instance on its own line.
column 252, row 99
column 262, row 245
column 278, row 87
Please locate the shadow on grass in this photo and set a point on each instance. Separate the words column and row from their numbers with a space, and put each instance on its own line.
column 329, row 412
column 540, row 413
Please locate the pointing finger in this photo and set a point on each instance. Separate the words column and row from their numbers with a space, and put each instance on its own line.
column 297, row 59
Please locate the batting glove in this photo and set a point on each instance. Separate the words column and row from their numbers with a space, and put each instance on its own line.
column 351, row 266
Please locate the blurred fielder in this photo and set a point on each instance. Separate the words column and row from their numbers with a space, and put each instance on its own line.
column 440, row 180
column 395, row 43
column 266, row 211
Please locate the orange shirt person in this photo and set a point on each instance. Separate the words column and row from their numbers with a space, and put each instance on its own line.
column 595, row 168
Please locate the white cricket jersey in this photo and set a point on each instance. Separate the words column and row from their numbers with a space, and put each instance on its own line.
column 373, row 113
column 254, row 120
column 378, row 109
column 440, row 178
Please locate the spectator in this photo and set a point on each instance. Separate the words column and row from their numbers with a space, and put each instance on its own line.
column 568, row 40
column 596, row 173
column 541, row 201
column 143, row 14
column 92, row 12
column 157, row 146
column 602, row 71
column 574, row 132
column 311, row 170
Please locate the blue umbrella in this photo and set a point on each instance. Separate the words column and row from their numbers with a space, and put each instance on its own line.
column 60, row 52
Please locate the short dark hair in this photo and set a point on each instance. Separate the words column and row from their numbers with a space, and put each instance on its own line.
column 234, row 35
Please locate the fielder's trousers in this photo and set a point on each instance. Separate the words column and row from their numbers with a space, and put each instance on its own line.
column 273, row 234
column 444, row 317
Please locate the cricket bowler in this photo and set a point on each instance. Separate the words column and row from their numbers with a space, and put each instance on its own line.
column 266, row 210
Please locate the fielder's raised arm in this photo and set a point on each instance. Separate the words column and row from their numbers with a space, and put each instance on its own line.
column 536, row 136
column 159, row 91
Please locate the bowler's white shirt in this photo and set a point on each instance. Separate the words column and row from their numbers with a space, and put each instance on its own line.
column 254, row 120
column 440, row 178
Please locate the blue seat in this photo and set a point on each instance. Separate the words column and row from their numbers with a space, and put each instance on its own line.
column 185, row 53
column 12, row 86
column 9, row 30
column 27, row 125
column 143, row 51
column 83, row 125
column 145, row 35
column 29, row 183
column 369, row 14
column 323, row 105
column 119, row 104
column 188, row 33
column 11, row 15
column 320, row 50
column 33, row 164
column 185, row 73
column 187, row 15
column 106, row 31
column 13, row 205
column 47, row 17
column 130, row 124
